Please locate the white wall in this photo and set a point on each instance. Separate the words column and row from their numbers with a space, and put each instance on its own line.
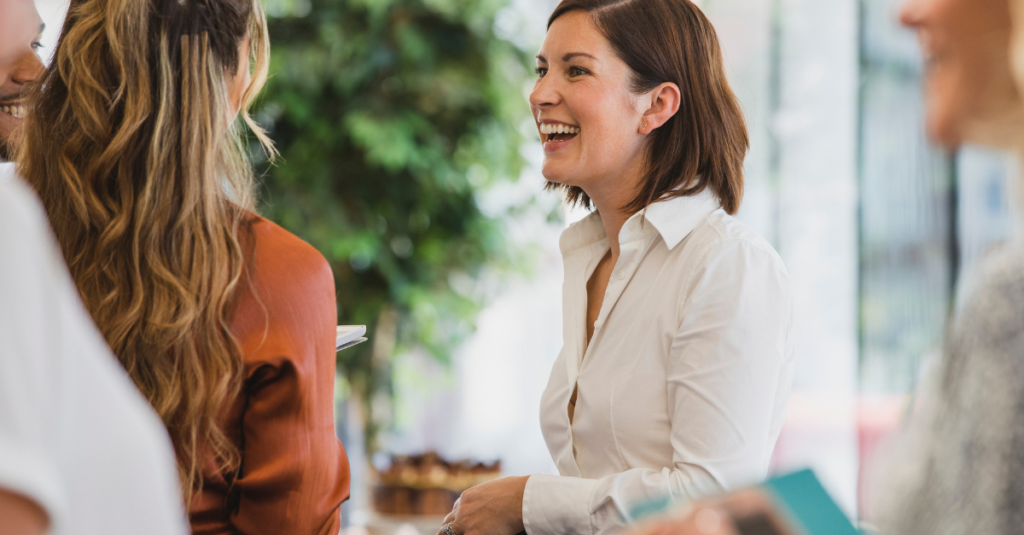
column 53, row 13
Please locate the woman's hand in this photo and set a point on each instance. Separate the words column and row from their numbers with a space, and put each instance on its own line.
column 492, row 508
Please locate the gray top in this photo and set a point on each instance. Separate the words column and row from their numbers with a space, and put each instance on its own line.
column 959, row 469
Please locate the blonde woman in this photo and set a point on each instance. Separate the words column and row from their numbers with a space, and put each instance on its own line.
column 225, row 321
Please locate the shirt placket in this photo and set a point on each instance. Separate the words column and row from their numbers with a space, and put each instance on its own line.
column 636, row 242
column 574, row 335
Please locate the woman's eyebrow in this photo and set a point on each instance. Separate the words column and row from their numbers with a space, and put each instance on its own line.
column 571, row 55
column 567, row 57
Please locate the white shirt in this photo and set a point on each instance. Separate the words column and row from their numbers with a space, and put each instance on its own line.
column 683, row 388
column 76, row 436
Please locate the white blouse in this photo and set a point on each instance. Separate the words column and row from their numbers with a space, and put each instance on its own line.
column 683, row 388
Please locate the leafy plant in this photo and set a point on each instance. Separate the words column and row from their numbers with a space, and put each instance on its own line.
column 390, row 116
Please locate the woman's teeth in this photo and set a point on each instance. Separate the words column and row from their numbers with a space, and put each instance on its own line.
column 558, row 129
column 18, row 112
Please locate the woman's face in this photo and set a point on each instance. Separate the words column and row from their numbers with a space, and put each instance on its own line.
column 971, row 96
column 583, row 91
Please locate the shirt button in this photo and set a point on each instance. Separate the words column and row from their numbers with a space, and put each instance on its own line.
column 633, row 224
column 622, row 275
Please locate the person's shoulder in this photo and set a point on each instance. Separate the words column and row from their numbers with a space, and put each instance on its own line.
column 285, row 262
column 19, row 205
column 721, row 234
column 1003, row 267
column 1000, row 275
column 271, row 238
column 994, row 304
column 275, row 243
column 25, row 233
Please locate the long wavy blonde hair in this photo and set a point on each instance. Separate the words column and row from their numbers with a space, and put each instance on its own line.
column 134, row 149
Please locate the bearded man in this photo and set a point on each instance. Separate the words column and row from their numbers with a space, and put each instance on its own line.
column 20, row 29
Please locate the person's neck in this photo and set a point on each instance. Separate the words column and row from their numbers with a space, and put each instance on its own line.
column 611, row 200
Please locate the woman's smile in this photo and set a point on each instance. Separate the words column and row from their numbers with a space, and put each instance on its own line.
column 557, row 135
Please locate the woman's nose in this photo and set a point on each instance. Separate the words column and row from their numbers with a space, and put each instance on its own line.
column 544, row 94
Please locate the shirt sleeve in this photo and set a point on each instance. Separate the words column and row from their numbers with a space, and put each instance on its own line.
column 28, row 310
column 727, row 376
column 294, row 473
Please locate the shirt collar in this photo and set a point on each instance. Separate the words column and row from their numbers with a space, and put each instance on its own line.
column 582, row 233
column 673, row 218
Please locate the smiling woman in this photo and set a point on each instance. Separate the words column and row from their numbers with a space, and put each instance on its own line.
column 677, row 357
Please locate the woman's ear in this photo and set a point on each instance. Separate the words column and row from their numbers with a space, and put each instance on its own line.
column 664, row 103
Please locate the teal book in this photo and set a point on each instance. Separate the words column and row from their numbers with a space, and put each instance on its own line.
column 809, row 504
column 804, row 500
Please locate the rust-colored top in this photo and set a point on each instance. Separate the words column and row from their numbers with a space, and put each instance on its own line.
column 294, row 473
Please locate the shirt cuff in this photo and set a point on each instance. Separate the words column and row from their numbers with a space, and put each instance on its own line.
column 557, row 504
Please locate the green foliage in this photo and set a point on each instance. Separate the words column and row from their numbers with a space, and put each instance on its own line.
column 390, row 115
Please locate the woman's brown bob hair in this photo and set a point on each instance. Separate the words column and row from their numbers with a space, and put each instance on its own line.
column 705, row 143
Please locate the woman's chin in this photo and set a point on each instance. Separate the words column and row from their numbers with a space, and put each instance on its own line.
column 943, row 129
column 553, row 173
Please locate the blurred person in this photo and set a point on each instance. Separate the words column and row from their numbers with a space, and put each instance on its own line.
column 677, row 358
column 958, row 467
column 225, row 321
column 80, row 450
column 24, row 67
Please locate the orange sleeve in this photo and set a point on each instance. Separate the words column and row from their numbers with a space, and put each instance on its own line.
column 294, row 473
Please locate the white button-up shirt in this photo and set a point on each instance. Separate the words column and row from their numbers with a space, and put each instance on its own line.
column 683, row 387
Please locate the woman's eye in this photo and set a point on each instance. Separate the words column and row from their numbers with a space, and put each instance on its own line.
column 577, row 71
column 37, row 45
column 541, row 71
